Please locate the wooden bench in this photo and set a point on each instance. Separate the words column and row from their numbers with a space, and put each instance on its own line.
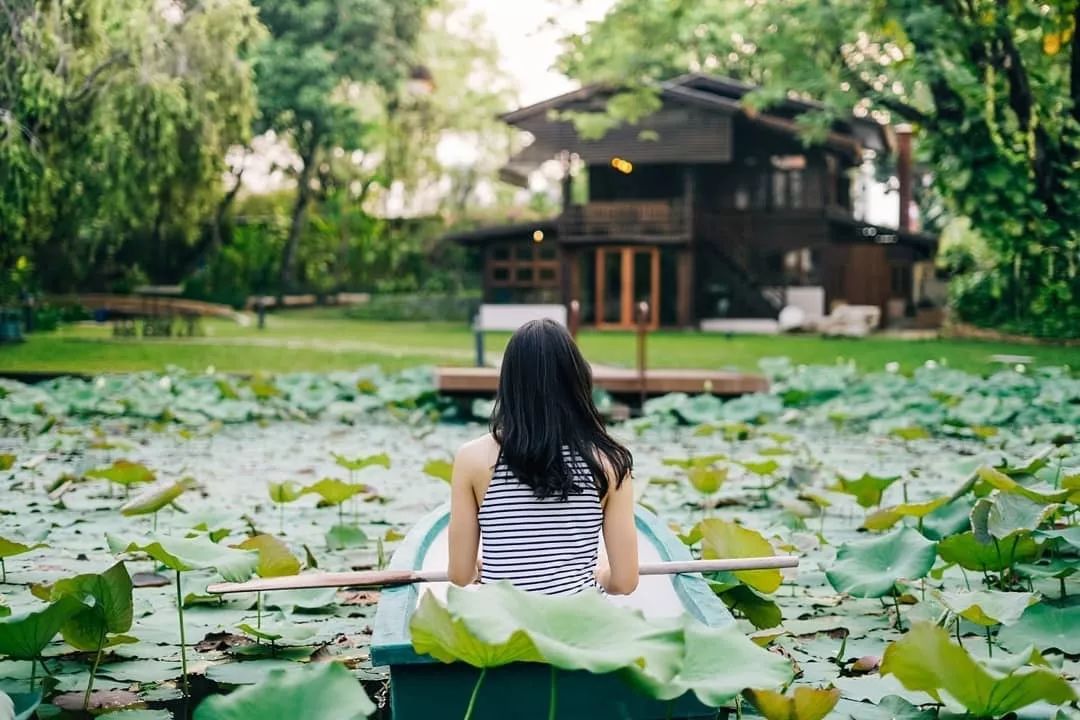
column 508, row 318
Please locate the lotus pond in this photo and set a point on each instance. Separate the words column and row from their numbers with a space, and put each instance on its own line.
column 935, row 514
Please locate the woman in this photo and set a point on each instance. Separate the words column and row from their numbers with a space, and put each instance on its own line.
column 538, row 490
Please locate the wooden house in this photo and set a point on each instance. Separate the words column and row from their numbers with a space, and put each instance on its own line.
column 706, row 209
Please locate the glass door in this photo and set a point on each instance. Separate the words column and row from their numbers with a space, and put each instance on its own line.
column 626, row 276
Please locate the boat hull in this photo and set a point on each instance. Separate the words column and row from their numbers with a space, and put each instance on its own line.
column 422, row 688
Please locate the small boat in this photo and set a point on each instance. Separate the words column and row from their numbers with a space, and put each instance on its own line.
column 422, row 688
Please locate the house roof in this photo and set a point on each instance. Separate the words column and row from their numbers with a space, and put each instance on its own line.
column 718, row 93
column 521, row 230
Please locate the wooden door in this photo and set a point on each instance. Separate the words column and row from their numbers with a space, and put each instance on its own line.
column 626, row 276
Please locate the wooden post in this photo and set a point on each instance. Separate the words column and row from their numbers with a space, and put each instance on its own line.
column 574, row 319
column 642, row 331
column 903, row 171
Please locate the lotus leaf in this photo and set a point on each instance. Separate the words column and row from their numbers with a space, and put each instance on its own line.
column 887, row 517
column 359, row 463
column 99, row 622
column 717, row 665
column 284, row 492
column 439, row 469
column 1005, row 513
column 275, row 559
column 342, row 537
column 184, row 554
column 867, row 489
column 498, row 624
column 25, row 635
column 871, row 568
column 965, row 550
column 761, row 612
column 1047, row 627
column 278, row 632
column 334, row 491
column 761, row 467
column 1042, row 494
column 156, row 498
column 1070, row 535
column 925, row 659
column 7, row 461
column 722, row 539
column 805, row 703
column 707, row 480
column 10, row 548
column 321, row 691
column 123, row 472
column 987, row 607
column 696, row 461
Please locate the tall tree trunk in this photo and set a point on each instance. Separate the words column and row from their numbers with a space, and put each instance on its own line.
column 287, row 277
column 216, row 240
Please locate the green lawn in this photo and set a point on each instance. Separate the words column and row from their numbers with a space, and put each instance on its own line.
column 323, row 339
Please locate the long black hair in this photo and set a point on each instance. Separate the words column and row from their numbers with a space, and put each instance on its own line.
column 544, row 405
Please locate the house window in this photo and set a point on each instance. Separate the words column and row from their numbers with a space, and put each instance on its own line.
column 787, row 181
column 523, row 265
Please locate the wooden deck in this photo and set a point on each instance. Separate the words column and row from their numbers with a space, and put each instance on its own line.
column 473, row 381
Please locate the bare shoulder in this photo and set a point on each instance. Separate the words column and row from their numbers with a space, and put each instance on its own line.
column 478, row 455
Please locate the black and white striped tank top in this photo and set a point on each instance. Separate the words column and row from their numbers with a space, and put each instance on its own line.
column 544, row 545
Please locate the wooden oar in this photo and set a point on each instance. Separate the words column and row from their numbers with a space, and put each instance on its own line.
column 386, row 578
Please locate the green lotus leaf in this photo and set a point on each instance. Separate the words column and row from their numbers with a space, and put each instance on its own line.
column 1010, row 512
column 284, row 492
column 359, row 463
column 498, row 624
column 805, row 703
column 156, row 498
column 761, row 467
column 760, row 611
column 25, row 635
column 342, row 537
column 708, row 479
column 696, row 461
column 722, row 539
column 439, row 469
column 184, row 554
column 275, row 558
column 110, row 612
column 320, row 691
column 279, row 633
column 717, row 665
column 871, row 568
column 887, row 517
column 1047, row 627
column 11, row 548
column 7, row 461
column 1042, row 494
column 334, row 491
column 987, row 607
column 925, row 659
column 965, row 550
column 123, row 472
column 867, row 489
column 1069, row 535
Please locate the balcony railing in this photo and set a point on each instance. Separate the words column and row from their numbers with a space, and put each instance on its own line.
column 633, row 218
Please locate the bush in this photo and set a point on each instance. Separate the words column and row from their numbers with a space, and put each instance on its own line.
column 982, row 298
column 417, row 307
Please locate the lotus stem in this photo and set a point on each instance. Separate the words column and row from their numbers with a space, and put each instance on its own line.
column 989, row 642
column 183, row 639
column 475, row 692
column 554, row 694
column 258, row 613
column 33, row 675
column 1064, row 594
column 896, row 604
column 3, row 571
column 93, row 672
column 958, row 640
column 281, row 519
column 341, row 514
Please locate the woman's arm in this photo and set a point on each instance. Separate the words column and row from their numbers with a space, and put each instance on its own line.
column 620, row 575
column 464, row 528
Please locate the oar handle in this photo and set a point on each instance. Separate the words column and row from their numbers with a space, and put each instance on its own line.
column 387, row 578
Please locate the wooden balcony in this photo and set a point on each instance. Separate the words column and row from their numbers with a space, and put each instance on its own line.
column 647, row 220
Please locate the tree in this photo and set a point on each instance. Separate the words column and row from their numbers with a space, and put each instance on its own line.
column 992, row 87
column 320, row 56
column 115, row 116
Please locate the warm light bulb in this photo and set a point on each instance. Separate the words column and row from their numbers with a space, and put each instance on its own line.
column 538, row 236
column 624, row 166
